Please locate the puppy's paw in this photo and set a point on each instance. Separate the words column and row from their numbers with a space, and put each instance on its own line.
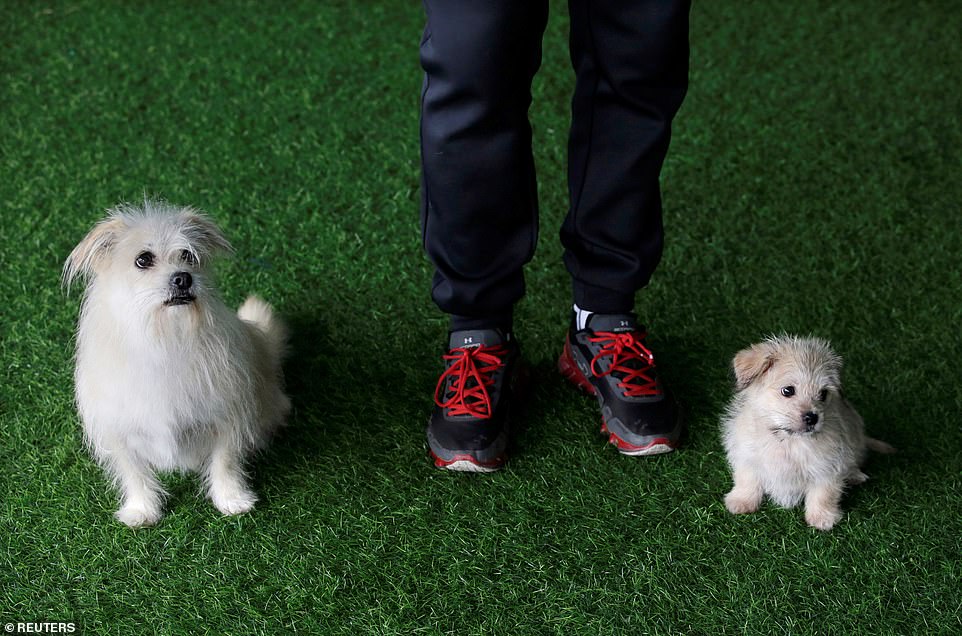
column 138, row 515
column 740, row 503
column 235, row 501
column 822, row 518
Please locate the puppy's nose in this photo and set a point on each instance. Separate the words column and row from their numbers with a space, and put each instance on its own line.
column 810, row 419
column 181, row 280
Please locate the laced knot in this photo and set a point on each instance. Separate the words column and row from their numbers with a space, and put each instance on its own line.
column 471, row 373
column 630, row 359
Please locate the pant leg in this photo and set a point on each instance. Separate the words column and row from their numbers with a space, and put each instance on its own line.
column 631, row 65
column 479, row 196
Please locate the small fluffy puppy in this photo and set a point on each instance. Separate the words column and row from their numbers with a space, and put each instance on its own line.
column 167, row 377
column 789, row 433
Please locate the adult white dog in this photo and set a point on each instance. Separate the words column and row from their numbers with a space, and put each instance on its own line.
column 167, row 377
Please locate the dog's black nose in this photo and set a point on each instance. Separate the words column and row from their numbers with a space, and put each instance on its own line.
column 810, row 419
column 181, row 280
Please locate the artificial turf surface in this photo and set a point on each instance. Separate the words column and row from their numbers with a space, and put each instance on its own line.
column 813, row 186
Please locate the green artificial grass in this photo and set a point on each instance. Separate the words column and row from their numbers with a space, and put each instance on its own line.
column 812, row 186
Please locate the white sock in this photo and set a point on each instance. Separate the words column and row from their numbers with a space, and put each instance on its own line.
column 581, row 317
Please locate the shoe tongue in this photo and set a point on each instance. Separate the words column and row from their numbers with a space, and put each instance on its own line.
column 476, row 338
column 614, row 323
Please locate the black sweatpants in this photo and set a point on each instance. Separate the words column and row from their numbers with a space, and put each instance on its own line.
column 479, row 213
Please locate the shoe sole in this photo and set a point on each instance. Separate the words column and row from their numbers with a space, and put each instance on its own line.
column 569, row 369
column 491, row 458
column 464, row 463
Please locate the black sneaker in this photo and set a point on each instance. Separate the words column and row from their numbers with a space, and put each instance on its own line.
column 468, row 430
column 609, row 359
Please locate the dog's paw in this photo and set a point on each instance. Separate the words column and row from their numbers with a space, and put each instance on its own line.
column 138, row 516
column 234, row 502
column 739, row 503
column 822, row 518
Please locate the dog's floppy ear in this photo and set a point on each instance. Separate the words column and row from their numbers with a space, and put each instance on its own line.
column 90, row 252
column 203, row 235
column 751, row 363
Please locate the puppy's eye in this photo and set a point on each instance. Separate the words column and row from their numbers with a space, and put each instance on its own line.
column 188, row 257
column 788, row 391
column 144, row 260
column 823, row 395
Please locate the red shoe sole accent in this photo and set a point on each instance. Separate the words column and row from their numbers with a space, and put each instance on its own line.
column 569, row 369
column 481, row 467
column 655, row 446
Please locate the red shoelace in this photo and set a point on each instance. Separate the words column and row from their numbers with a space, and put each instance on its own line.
column 623, row 348
column 470, row 363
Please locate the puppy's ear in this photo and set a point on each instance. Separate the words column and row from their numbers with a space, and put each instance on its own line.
column 203, row 235
column 751, row 363
column 85, row 259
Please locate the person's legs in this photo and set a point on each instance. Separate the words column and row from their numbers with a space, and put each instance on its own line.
column 479, row 197
column 479, row 211
column 631, row 63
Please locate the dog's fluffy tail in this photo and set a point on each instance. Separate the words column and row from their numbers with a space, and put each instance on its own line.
column 879, row 446
column 259, row 313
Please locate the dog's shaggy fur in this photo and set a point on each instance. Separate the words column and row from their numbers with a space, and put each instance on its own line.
column 167, row 377
column 789, row 433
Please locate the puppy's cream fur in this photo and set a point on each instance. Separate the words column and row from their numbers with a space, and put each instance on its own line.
column 166, row 383
column 789, row 433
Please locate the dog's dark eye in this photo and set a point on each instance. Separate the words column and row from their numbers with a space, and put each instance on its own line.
column 823, row 395
column 144, row 260
column 788, row 391
column 187, row 257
